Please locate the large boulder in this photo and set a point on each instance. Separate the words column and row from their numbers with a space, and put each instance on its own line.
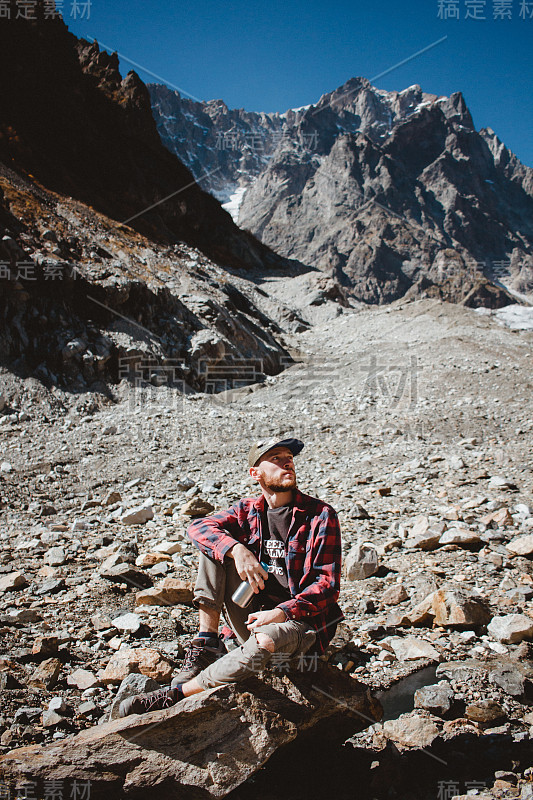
column 203, row 747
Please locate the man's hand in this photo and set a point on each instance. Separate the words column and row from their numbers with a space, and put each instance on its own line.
column 258, row 618
column 248, row 567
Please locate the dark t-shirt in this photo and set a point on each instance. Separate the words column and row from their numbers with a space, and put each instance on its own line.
column 273, row 548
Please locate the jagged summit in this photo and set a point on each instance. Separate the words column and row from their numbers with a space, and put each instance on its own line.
column 385, row 191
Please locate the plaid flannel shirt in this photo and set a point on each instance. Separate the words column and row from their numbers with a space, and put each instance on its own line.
column 313, row 555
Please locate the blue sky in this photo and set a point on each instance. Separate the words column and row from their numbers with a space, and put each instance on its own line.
column 275, row 55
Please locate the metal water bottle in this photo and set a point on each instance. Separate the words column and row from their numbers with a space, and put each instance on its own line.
column 244, row 593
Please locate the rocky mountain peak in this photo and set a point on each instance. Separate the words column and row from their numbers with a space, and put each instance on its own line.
column 319, row 183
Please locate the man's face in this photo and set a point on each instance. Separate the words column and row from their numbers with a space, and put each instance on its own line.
column 275, row 470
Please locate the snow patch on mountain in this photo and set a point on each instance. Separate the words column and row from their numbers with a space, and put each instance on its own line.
column 233, row 205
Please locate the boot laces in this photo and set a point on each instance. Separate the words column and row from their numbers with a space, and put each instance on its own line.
column 164, row 698
column 191, row 653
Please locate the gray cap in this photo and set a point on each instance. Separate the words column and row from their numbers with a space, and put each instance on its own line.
column 262, row 446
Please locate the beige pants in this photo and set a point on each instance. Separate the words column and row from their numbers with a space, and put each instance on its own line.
column 214, row 586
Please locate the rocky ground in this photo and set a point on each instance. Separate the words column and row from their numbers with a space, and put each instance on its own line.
column 418, row 429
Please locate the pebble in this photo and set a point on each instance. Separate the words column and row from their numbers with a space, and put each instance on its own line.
column 50, row 719
column 394, row 595
column 12, row 581
column 138, row 515
column 112, row 498
column 410, row 648
column 128, row 623
column 429, row 540
column 45, row 646
column 55, row 557
column 151, row 559
column 87, row 709
column 522, row 546
column 461, row 537
column 197, row 507
column 125, row 573
column 51, row 586
column 453, row 609
column 169, row 591
column 82, row 679
column 168, row 548
column 58, row 704
column 26, row 715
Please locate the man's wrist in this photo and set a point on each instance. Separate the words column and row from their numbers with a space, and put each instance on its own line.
column 230, row 551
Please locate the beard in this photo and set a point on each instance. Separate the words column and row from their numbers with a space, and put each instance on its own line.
column 284, row 485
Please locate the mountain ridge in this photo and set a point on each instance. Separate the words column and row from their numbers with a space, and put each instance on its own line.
column 384, row 191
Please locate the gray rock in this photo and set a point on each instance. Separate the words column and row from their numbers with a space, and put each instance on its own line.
column 138, row 515
column 55, row 556
column 461, row 537
column 511, row 628
column 51, row 719
column 455, row 463
column 101, row 622
column 26, row 715
column 58, row 704
column 358, row 512
column 361, row 562
column 12, row 581
column 411, row 648
column 394, row 594
column 522, row 546
column 436, row 699
column 88, row 709
column 129, row 623
column 125, row 573
column 497, row 482
column 51, row 586
column 508, row 678
column 468, row 670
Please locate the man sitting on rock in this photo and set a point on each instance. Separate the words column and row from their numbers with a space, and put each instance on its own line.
column 294, row 606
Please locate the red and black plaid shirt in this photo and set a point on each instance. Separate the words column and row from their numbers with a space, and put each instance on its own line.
column 313, row 555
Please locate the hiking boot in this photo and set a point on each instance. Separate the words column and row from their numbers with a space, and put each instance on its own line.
column 198, row 656
column 153, row 701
